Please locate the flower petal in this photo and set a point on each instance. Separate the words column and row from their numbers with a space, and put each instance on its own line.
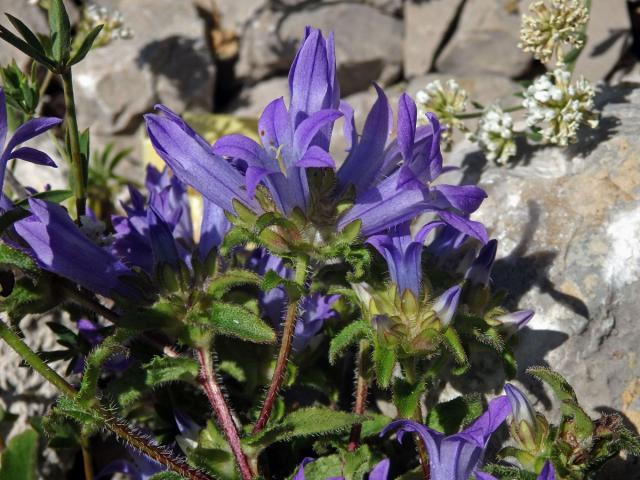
column 274, row 125
column 464, row 225
column 407, row 124
column 316, row 157
column 34, row 156
column 308, row 129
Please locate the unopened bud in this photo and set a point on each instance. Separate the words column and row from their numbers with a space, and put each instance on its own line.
column 446, row 305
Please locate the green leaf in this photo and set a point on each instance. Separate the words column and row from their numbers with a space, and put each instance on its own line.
column 384, row 359
column 60, row 31
column 20, row 459
column 26, row 33
column 557, row 382
column 86, row 45
column 25, row 48
column 374, row 425
column 323, row 468
column 448, row 417
column 509, row 363
column 233, row 369
column 357, row 463
column 29, row 297
column 406, row 396
column 55, row 196
column 166, row 476
column 10, row 257
column 231, row 279
column 583, row 422
column 169, row 369
column 236, row 321
column 158, row 317
column 348, row 336
column 306, row 422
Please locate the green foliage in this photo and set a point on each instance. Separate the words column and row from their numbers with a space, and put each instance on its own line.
column 232, row 278
column 406, row 396
column 348, row 336
column 20, row 459
column 12, row 258
column 236, row 321
column 557, row 382
column 306, row 422
column 384, row 359
column 449, row 417
column 28, row 297
column 21, row 90
column 169, row 369
column 60, row 27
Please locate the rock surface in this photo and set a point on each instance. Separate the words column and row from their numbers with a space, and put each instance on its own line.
column 166, row 61
column 32, row 16
column 485, row 41
column 423, row 34
column 368, row 43
column 568, row 224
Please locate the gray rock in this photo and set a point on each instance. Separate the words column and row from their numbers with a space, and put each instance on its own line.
column 485, row 42
column 236, row 13
column 253, row 100
column 270, row 42
column 607, row 39
column 169, row 63
column 485, row 89
column 425, row 26
column 568, row 223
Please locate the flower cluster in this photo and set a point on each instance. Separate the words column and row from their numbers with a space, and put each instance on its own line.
column 557, row 107
column 112, row 21
column 447, row 101
column 549, row 28
column 495, row 135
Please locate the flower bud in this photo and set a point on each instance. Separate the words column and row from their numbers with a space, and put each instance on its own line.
column 526, row 428
column 480, row 269
column 446, row 304
column 510, row 323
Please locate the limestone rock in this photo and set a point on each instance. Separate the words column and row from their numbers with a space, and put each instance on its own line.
column 270, row 42
column 485, row 41
column 168, row 63
column 34, row 17
column 253, row 100
column 607, row 35
column 568, row 224
column 425, row 26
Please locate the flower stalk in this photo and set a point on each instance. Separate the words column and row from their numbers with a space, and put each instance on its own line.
column 117, row 426
column 77, row 164
column 286, row 344
column 362, row 389
column 216, row 398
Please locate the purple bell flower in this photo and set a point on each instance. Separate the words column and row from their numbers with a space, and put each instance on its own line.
column 59, row 246
column 403, row 254
column 510, row 323
column 379, row 472
column 521, row 409
column 23, row 133
column 456, row 457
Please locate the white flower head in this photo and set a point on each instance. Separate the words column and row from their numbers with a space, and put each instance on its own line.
column 552, row 26
column 495, row 135
column 447, row 101
column 556, row 107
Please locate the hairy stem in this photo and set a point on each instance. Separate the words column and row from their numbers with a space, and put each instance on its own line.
column 116, row 425
column 286, row 343
column 221, row 409
column 362, row 388
column 410, row 370
column 77, row 163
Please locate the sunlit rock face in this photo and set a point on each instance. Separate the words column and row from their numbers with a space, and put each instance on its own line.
column 568, row 225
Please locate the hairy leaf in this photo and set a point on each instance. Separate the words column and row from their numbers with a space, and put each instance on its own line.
column 406, row 396
column 236, row 321
column 230, row 279
column 348, row 336
column 557, row 382
column 384, row 359
column 169, row 369
column 449, row 417
column 20, row 459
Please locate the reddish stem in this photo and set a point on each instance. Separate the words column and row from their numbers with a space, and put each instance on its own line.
column 281, row 367
column 216, row 398
column 362, row 388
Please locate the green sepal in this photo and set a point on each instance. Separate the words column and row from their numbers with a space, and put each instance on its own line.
column 20, row 458
column 562, row 389
column 583, row 422
column 86, row 45
column 236, row 321
column 406, row 396
column 454, row 346
column 448, row 417
column 384, row 359
column 60, row 27
column 348, row 336
column 306, row 422
column 230, row 279
column 162, row 369
column 522, row 456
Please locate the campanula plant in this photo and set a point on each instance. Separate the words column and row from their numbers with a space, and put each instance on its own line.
column 317, row 304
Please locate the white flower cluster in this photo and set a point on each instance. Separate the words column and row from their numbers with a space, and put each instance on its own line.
column 112, row 20
column 556, row 108
column 495, row 135
column 447, row 102
column 550, row 27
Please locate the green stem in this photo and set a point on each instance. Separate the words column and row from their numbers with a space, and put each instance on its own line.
column 77, row 163
column 87, row 461
column 478, row 114
column 410, row 370
column 286, row 343
column 43, row 88
column 117, row 426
